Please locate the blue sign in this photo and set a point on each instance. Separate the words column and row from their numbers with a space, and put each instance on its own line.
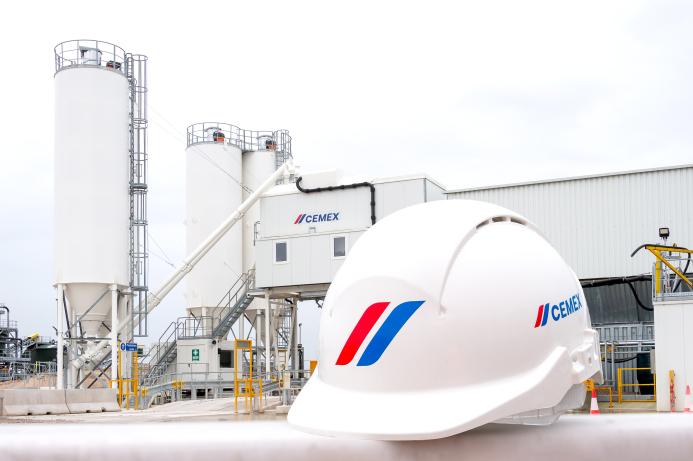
column 128, row 347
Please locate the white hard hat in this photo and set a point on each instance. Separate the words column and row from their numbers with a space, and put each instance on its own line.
column 446, row 316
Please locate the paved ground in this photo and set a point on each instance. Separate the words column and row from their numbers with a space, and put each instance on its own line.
column 189, row 411
column 220, row 410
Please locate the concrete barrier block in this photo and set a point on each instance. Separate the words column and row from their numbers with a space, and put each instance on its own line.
column 91, row 400
column 24, row 402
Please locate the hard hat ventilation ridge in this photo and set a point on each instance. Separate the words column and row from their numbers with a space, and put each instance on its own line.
column 495, row 219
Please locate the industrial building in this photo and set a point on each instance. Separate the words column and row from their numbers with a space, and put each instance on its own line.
column 597, row 222
column 304, row 231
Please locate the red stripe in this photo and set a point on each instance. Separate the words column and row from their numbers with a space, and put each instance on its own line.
column 360, row 331
column 297, row 219
column 540, row 314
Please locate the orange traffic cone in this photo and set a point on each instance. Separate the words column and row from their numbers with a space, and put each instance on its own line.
column 594, row 407
column 687, row 404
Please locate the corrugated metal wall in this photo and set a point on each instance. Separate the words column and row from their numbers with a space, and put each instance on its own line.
column 596, row 222
column 616, row 303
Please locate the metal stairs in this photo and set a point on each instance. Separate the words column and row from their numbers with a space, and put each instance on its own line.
column 229, row 309
column 232, row 315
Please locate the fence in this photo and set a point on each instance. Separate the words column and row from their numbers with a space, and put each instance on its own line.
column 626, row 360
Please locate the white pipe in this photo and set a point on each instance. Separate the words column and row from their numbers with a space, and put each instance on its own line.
column 294, row 335
column 72, row 368
column 267, row 334
column 195, row 257
column 92, row 355
column 289, row 346
column 115, row 327
column 60, row 379
column 95, row 353
column 274, row 327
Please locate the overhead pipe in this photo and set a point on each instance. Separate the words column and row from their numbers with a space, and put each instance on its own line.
column 341, row 187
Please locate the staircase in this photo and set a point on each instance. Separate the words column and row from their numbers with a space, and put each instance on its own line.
column 232, row 305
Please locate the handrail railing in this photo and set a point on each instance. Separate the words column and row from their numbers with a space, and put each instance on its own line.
column 189, row 327
column 231, row 293
column 246, row 140
column 90, row 53
column 156, row 353
column 670, row 275
column 620, row 385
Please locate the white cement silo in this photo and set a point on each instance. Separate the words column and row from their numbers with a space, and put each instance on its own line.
column 257, row 166
column 213, row 191
column 92, row 141
column 262, row 156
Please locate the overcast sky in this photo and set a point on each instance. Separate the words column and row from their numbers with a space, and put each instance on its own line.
column 471, row 93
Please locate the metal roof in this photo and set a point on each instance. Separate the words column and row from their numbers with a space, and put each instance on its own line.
column 573, row 178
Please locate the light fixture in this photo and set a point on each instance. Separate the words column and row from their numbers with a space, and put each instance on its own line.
column 664, row 233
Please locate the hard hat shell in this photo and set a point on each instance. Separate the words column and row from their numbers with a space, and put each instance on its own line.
column 445, row 316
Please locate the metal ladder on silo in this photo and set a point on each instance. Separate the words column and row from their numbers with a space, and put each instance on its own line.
column 136, row 70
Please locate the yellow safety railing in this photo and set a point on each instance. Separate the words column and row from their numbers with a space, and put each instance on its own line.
column 243, row 384
column 620, row 385
column 127, row 387
column 657, row 251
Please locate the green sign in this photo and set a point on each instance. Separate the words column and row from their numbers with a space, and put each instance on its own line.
column 195, row 355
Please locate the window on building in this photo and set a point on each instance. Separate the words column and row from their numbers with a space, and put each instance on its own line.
column 281, row 252
column 339, row 246
column 225, row 359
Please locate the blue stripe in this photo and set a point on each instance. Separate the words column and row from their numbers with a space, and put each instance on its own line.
column 302, row 218
column 547, row 306
column 387, row 332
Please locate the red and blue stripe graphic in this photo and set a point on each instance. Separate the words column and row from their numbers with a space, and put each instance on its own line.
column 382, row 338
column 300, row 218
column 542, row 315
column 558, row 311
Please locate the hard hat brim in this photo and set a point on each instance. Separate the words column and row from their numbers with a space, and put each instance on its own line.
column 325, row 409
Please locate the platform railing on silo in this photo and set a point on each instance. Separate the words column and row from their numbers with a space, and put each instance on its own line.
column 90, row 53
column 278, row 141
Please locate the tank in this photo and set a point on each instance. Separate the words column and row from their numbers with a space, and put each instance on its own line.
column 257, row 166
column 213, row 191
column 92, row 104
column 263, row 155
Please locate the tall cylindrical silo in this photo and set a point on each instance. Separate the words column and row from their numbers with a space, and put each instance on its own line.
column 262, row 156
column 92, row 142
column 213, row 191
column 258, row 165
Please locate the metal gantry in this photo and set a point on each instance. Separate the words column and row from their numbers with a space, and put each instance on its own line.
column 671, row 278
column 11, row 357
column 160, row 373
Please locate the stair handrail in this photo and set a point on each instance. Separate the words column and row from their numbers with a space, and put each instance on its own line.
column 229, row 301
column 157, row 357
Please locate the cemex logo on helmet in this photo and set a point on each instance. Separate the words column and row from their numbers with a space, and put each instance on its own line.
column 382, row 338
column 558, row 311
column 318, row 217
